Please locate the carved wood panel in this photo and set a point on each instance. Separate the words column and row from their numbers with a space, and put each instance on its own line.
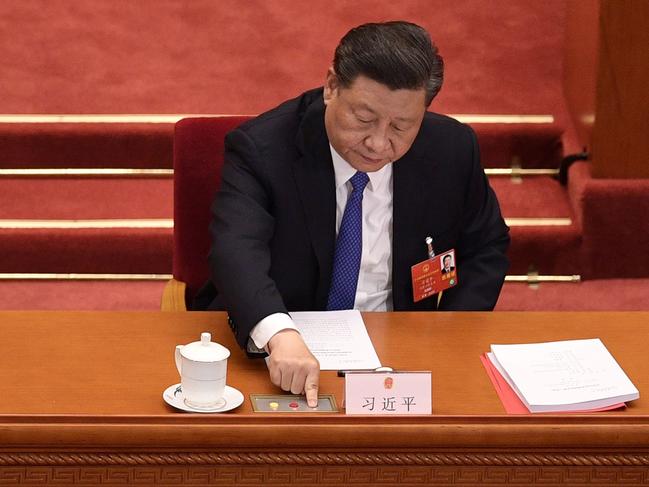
column 328, row 469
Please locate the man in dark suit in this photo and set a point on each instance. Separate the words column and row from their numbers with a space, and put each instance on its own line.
column 327, row 200
column 447, row 264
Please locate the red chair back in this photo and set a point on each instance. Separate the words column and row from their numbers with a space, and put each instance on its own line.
column 198, row 159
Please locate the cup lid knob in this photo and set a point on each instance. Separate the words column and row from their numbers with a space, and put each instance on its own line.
column 205, row 350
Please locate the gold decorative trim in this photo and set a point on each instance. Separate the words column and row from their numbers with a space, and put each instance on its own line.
column 173, row 118
column 535, row 279
column 510, row 119
column 538, row 222
column 168, row 277
column 104, row 118
column 519, row 172
column 93, row 172
column 87, row 224
column 67, row 171
column 25, row 276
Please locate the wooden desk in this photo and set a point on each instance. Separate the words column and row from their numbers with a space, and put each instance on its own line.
column 81, row 404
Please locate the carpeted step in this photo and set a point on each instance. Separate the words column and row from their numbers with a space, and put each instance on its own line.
column 553, row 250
column 520, row 145
column 106, row 145
column 86, row 225
column 594, row 295
column 149, row 145
column 532, row 197
column 104, row 250
column 545, row 236
column 135, row 234
column 82, row 295
column 86, row 198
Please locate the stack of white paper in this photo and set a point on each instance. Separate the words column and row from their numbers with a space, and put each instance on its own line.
column 573, row 375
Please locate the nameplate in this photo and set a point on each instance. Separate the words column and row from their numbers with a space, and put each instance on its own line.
column 386, row 393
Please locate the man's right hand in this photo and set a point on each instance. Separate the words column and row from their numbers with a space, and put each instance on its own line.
column 292, row 366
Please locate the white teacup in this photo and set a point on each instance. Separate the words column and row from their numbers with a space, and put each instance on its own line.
column 203, row 368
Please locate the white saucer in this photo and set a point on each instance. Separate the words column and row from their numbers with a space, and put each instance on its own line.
column 173, row 395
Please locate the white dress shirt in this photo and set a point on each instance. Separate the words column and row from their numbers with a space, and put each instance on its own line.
column 374, row 291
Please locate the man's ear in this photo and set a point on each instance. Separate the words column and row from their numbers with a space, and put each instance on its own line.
column 330, row 86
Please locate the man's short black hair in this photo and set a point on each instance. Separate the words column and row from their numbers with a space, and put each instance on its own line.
column 397, row 54
column 447, row 256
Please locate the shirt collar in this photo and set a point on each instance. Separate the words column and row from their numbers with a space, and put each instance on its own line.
column 344, row 171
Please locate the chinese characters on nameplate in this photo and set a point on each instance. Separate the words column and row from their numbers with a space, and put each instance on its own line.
column 379, row 393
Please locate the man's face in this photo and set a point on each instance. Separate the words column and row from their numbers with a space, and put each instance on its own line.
column 447, row 262
column 369, row 124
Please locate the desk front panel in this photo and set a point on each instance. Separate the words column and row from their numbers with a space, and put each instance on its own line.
column 82, row 391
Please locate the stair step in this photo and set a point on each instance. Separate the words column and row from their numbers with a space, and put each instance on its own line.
column 150, row 145
column 548, row 250
column 594, row 295
column 602, row 294
column 121, row 225
column 550, row 241
column 63, row 145
column 87, row 250
column 79, row 225
column 86, row 198
column 534, row 197
column 520, row 145
column 81, row 295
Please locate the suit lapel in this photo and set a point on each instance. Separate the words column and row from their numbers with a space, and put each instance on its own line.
column 315, row 181
column 410, row 217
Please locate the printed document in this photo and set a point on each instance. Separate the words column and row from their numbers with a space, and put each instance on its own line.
column 338, row 339
column 563, row 376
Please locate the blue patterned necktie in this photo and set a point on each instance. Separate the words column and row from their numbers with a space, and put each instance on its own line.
column 349, row 246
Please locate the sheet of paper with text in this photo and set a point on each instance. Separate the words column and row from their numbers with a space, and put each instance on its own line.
column 338, row 339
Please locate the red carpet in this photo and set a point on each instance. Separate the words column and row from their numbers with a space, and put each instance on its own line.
column 86, row 198
column 163, row 56
column 81, row 295
column 55, row 145
column 232, row 56
column 597, row 295
column 532, row 197
column 120, row 145
column 121, row 251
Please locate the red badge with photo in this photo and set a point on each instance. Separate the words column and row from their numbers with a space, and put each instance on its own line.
column 434, row 275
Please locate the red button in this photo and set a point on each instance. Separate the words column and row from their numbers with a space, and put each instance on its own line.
column 293, row 405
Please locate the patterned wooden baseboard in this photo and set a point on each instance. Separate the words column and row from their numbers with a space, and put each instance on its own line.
column 357, row 469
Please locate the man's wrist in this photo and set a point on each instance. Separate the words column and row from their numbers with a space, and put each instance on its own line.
column 269, row 327
column 278, row 335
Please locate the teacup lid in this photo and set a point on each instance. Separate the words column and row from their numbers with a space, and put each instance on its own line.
column 205, row 350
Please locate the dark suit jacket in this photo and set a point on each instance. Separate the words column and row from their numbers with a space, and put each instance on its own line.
column 273, row 223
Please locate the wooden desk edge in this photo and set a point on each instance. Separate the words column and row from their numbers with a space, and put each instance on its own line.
column 332, row 432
